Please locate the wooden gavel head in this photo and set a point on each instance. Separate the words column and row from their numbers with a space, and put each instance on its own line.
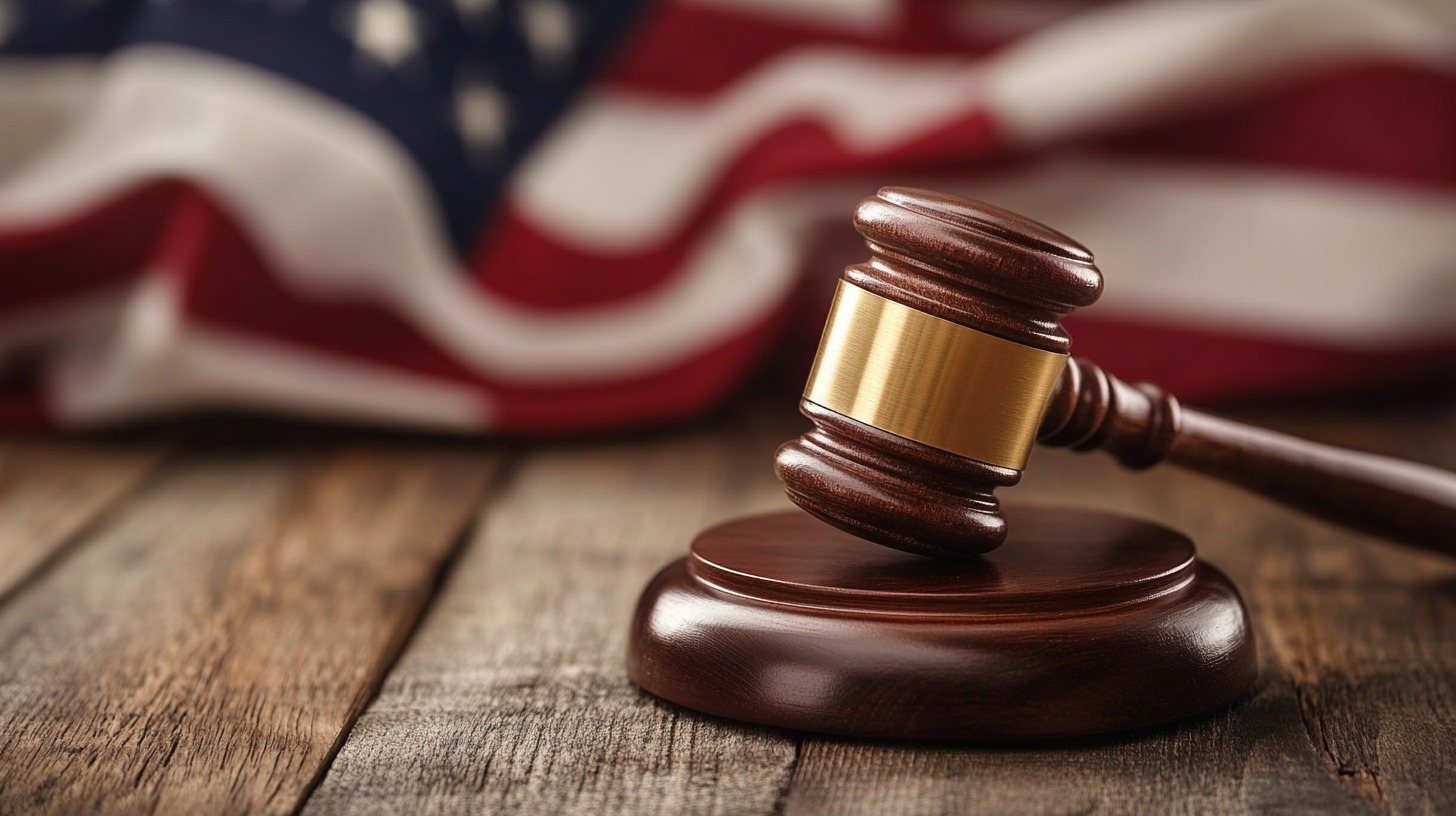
column 938, row 360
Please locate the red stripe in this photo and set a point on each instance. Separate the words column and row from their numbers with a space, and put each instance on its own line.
column 694, row 50
column 22, row 389
column 84, row 252
column 523, row 264
column 682, row 391
column 225, row 284
column 1383, row 121
column 26, row 411
column 1205, row 365
column 1199, row 364
column 1386, row 122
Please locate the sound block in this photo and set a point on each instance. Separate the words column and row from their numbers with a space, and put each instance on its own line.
column 1081, row 623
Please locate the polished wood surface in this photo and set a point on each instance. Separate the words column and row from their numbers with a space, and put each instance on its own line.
column 509, row 695
column 1143, row 425
column 1084, row 623
column 972, row 264
column 991, row 270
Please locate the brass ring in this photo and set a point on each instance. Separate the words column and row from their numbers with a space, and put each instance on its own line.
column 930, row 380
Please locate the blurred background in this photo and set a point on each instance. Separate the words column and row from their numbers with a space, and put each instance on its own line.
column 552, row 216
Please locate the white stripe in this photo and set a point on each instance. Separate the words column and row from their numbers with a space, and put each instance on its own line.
column 39, row 99
column 861, row 15
column 1011, row 18
column 1134, row 61
column 1206, row 248
column 154, row 363
column 61, row 320
column 338, row 210
column 1305, row 257
column 1278, row 255
column 1336, row 262
column 626, row 169
column 345, row 213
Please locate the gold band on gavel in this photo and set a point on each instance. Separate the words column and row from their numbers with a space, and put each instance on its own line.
column 930, row 380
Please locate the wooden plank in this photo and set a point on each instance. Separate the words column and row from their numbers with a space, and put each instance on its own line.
column 50, row 489
column 1366, row 635
column 513, row 698
column 1354, row 714
column 207, row 650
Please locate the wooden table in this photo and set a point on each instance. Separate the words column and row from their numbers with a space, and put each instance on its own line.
column 248, row 620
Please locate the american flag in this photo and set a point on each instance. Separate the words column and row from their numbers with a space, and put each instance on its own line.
column 546, row 215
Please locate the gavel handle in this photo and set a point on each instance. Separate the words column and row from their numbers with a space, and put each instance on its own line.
column 1142, row 425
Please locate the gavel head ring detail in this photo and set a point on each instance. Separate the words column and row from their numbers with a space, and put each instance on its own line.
column 938, row 361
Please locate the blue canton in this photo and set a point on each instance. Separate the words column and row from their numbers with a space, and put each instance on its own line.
column 465, row 86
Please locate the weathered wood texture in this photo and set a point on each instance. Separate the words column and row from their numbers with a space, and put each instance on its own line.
column 1355, row 712
column 512, row 698
column 206, row 649
column 204, row 644
column 50, row 491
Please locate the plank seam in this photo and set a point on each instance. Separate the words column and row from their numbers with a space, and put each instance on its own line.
column 781, row 800
column 90, row 527
column 505, row 473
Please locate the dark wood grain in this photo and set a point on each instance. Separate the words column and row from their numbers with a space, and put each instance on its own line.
column 50, row 490
column 984, row 268
column 975, row 264
column 512, row 697
column 1143, row 425
column 1355, row 711
column 1084, row 623
column 207, row 649
column 970, row 263
column 892, row 490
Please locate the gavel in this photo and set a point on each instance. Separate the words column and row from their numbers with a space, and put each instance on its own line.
column 944, row 360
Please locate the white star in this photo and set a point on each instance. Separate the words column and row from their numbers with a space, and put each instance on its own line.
column 550, row 29
column 9, row 20
column 474, row 9
column 483, row 116
column 388, row 31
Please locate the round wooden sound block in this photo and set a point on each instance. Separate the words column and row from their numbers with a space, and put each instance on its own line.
column 1081, row 623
